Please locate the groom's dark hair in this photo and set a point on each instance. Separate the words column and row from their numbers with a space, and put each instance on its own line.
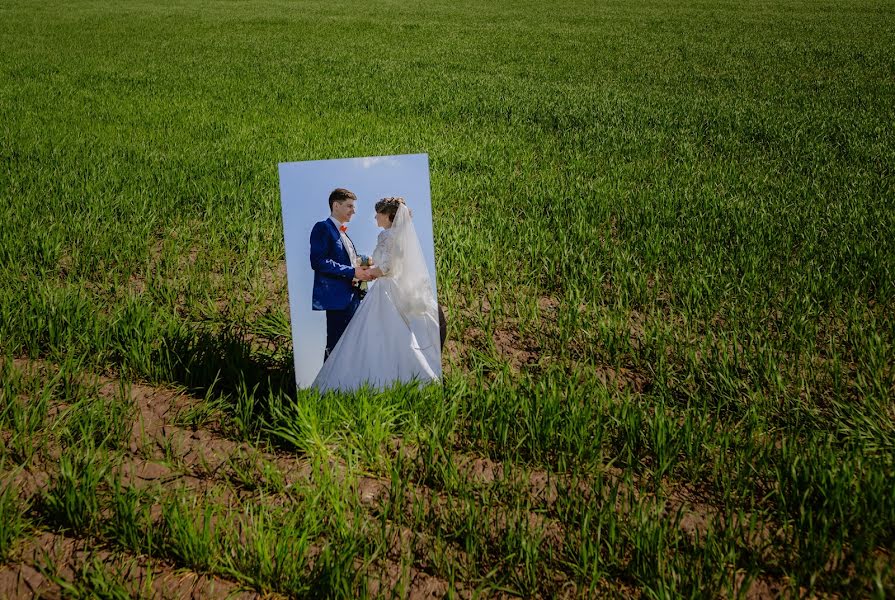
column 340, row 195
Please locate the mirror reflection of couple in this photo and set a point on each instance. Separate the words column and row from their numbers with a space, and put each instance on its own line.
column 390, row 334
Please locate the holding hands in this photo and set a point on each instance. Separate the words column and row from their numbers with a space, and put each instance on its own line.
column 366, row 273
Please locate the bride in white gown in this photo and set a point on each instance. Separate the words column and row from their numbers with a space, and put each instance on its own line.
column 394, row 334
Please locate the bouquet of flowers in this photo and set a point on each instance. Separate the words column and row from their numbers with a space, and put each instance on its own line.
column 363, row 261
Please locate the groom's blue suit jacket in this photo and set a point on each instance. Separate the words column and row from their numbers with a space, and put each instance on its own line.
column 333, row 272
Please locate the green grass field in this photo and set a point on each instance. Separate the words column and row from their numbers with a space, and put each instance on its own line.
column 666, row 248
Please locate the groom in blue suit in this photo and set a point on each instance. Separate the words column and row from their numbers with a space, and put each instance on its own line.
column 333, row 258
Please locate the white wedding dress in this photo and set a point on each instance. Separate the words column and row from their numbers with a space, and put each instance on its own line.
column 393, row 336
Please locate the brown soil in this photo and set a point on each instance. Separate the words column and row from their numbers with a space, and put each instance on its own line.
column 43, row 559
column 176, row 458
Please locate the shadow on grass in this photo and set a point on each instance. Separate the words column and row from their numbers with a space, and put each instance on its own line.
column 226, row 362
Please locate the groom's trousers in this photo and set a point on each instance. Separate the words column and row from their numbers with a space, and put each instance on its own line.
column 337, row 321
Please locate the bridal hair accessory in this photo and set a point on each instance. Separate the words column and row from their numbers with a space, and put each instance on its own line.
column 389, row 206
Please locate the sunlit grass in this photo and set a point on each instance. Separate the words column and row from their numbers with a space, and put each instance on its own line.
column 13, row 520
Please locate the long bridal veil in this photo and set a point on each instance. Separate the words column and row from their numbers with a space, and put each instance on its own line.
column 414, row 297
column 409, row 267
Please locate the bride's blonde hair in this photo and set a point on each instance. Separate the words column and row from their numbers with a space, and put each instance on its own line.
column 389, row 206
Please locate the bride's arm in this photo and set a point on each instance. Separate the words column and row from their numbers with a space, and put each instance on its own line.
column 382, row 256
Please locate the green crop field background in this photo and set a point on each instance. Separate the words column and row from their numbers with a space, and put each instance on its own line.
column 665, row 240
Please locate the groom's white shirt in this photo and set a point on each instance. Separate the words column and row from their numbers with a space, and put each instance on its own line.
column 352, row 254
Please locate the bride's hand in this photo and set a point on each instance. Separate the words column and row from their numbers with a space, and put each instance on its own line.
column 375, row 272
column 363, row 274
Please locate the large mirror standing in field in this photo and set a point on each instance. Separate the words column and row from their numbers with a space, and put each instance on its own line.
column 360, row 262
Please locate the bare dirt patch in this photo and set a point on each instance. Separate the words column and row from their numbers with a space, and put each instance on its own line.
column 49, row 555
column 515, row 349
column 616, row 378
